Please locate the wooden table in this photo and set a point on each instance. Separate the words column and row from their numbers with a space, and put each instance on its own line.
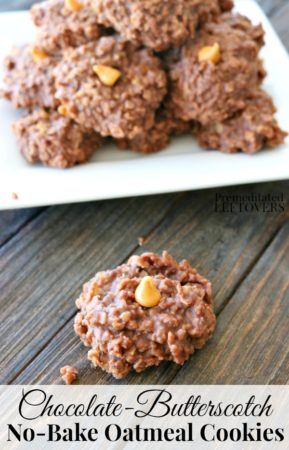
column 46, row 254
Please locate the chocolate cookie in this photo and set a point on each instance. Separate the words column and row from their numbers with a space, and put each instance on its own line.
column 216, row 70
column 29, row 80
column 146, row 311
column 64, row 23
column 249, row 130
column 158, row 137
column 156, row 24
column 209, row 10
column 226, row 5
column 54, row 140
column 111, row 86
column 242, row 23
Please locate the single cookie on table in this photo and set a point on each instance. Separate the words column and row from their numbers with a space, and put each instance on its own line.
column 158, row 137
column 216, row 70
column 64, row 23
column 146, row 311
column 111, row 86
column 54, row 140
column 29, row 80
column 248, row 130
column 156, row 24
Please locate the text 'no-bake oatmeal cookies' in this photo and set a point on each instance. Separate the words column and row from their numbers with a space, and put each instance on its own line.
column 139, row 72
column 146, row 311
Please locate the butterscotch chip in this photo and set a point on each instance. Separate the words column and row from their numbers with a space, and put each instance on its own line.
column 73, row 5
column 62, row 109
column 146, row 293
column 107, row 75
column 210, row 53
column 125, row 335
column 38, row 54
column 68, row 374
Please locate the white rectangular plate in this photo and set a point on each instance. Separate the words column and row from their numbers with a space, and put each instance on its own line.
column 113, row 173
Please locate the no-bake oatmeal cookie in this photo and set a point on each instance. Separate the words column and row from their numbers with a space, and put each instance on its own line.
column 29, row 80
column 157, row 24
column 216, row 70
column 158, row 137
column 64, row 23
column 146, row 311
column 111, row 86
column 209, row 10
column 248, row 130
column 54, row 140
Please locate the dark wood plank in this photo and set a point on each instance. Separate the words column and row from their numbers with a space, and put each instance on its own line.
column 282, row 375
column 14, row 5
column 280, row 20
column 44, row 265
column 223, row 247
column 251, row 344
column 272, row 6
column 12, row 221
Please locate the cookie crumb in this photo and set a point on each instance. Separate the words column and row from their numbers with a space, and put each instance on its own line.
column 68, row 374
column 141, row 240
column 14, row 196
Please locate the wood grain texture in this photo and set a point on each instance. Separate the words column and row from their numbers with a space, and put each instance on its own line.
column 252, row 340
column 12, row 221
column 44, row 266
column 223, row 247
column 280, row 21
column 272, row 6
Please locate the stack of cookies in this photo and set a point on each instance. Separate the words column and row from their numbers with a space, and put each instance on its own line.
column 139, row 72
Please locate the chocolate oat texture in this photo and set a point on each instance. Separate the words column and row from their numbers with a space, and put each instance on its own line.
column 139, row 72
column 54, row 140
column 149, row 310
